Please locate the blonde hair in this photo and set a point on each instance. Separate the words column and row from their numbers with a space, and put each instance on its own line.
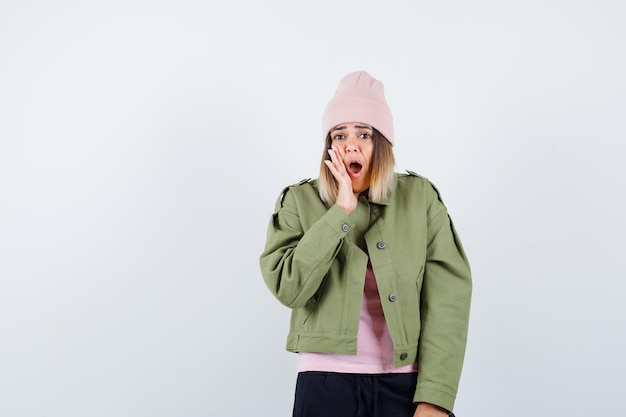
column 382, row 178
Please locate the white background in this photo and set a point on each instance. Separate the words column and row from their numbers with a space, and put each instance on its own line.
column 143, row 144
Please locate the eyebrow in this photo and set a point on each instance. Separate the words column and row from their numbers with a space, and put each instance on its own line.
column 356, row 126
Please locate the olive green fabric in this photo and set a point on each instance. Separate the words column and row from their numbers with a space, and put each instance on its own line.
column 315, row 260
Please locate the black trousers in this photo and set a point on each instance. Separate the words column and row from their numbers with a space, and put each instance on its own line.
column 330, row 394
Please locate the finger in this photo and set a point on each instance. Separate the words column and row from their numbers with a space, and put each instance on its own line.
column 337, row 169
column 331, row 167
column 340, row 153
column 338, row 161
column 334, row 162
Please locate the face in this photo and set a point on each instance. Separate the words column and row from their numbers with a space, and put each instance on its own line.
column 356, row 147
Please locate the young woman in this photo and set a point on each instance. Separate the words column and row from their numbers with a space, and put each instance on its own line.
column 373, row 270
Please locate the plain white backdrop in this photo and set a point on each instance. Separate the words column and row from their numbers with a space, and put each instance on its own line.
column 143, row 144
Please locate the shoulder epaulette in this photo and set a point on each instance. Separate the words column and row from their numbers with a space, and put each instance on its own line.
column 282, row 194
column 415, row 174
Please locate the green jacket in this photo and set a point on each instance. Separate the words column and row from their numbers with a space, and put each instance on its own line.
column 315, row 260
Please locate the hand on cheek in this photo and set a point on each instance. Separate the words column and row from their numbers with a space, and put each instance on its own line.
column 346, row 197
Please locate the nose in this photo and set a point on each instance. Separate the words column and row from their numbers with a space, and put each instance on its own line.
column 351, row 144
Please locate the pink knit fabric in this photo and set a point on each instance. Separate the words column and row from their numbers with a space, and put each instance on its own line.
column 359, row 98
column 374, row 345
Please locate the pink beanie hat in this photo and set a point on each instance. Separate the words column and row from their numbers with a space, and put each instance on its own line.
column 359, row 98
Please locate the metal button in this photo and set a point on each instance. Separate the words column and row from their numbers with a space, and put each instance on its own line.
column 403, row 356
column 392, row 298
column 381, row 245
column 345, row 227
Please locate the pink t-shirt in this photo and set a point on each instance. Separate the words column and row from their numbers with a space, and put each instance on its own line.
column 374, row 351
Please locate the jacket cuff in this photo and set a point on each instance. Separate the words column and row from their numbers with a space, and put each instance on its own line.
column 433, row 393
column 339, row 221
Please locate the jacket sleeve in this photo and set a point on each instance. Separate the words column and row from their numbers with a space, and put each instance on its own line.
column 295, row 261
column 445, row 305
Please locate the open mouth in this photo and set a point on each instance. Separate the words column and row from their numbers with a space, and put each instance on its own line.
column 355, row 167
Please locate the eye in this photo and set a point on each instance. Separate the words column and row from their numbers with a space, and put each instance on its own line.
column 338, row 137
column 365, row 136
